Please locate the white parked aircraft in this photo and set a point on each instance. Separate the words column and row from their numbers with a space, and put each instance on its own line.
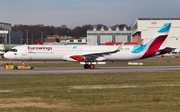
column 155, row 46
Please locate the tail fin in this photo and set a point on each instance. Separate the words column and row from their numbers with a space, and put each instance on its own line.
column 155, row 43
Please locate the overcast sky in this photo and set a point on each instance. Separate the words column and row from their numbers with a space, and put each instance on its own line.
column 80, row 12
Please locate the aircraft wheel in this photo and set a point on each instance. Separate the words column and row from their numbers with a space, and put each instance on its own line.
column 32, row 68
column 92, row 66
column 86, row 66
column 15, row 67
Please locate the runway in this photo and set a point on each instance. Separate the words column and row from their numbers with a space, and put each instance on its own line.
column 61, row 70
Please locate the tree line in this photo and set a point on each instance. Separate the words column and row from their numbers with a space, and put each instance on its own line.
column 36, row 31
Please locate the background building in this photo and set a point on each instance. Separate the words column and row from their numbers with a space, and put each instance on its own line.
column 144, row 29
column 9, row 37
column 5, row 35
column 81, row 41
column 67, row 40
column 95, row 36
column 16, row 37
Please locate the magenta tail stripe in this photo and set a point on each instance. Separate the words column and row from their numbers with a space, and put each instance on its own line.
column 154, row 46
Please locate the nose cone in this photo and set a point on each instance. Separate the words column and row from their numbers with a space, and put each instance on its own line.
column 7, row 55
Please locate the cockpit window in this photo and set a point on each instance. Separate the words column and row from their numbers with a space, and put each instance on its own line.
column 13, row 50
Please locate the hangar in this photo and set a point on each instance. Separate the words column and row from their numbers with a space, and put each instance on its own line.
column 101, row 36
column 141, row 32
column 9, row 37
column 143, row 29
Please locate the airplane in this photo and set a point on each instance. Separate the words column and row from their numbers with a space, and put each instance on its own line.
column 93, row 53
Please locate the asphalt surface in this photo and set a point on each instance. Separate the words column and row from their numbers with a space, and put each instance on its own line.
column 61, row 70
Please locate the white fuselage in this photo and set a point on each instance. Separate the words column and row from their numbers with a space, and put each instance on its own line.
column 63, row 52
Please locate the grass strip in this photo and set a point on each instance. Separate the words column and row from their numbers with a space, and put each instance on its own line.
column 145, row 91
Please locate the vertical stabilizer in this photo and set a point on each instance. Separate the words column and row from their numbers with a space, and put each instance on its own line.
column 155, row 43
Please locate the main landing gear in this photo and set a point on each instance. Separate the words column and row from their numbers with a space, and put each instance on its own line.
column 91, row 66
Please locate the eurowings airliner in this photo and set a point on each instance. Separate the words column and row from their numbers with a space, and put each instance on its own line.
column 89, row 54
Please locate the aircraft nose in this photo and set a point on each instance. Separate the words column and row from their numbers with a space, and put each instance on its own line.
column 6, row 55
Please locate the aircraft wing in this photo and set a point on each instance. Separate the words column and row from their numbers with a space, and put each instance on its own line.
column 95, row 55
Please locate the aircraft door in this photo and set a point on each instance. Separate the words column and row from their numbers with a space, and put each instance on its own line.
column 24, row 50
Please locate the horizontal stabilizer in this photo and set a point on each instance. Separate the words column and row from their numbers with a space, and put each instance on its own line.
column 165, row 50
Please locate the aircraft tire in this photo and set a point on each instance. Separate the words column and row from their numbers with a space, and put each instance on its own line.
column 91, row 66
column 32, row 68
column 86, row 66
